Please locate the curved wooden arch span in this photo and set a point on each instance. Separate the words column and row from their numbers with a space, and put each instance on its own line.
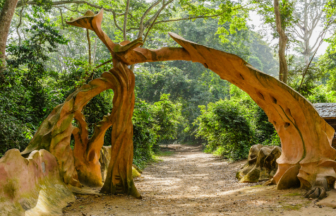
column 306, row 138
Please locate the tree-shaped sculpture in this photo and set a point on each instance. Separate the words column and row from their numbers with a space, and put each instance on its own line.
column 307, row 156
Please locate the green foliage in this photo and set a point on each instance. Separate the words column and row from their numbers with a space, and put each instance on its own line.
column 321, row 94
column 223, row 125
column 266, row 10
column 144, row 133
column 327, row 63
column 167, row 117
column 312, row 78
column 46, row 68
column 153, row 123
column 232, row 125
column 25, row 99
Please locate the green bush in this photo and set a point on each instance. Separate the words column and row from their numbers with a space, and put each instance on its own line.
column 226, row 130
column 232, row 125
column 320, row 94
column 153, row 123
column 144, row 133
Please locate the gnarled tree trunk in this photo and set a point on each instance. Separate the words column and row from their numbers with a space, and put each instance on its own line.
column 6, row 16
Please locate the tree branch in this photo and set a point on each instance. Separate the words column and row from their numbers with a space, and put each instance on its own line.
column 150, row 27
column 125, row 20
column 89, row 44
column 278, row 19
column 115, row 21
column 306, row 70
column 61, row 17
column 98, row 66
column 148, row 22
column 141, row 25
column 56, row 3
column 18, row 26
column 186, row 18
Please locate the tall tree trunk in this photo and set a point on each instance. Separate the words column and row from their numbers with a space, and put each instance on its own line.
column 283, row 70
column 306, row 36
column 283, row 39
column 6, row 16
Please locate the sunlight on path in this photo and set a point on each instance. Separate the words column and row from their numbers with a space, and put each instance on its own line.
column 191, row 182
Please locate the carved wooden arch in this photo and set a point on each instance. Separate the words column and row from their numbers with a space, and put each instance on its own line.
column 306, row 138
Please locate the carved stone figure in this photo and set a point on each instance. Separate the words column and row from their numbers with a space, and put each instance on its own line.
column 261, row 164
column 307, row 155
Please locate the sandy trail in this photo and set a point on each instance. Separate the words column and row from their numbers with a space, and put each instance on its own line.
column 191, row 182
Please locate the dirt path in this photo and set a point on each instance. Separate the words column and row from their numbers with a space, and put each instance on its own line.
column 190, row 182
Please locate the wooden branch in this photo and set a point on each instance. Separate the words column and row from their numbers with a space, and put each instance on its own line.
column 188, row 18
column 94, row 51
column 283, row 39
column 103, row 64
column 306, row 70
column 89, row 44
column 298, row 33
column 69, row 9
column 18, row 26
column 125, row 20
column 115, row 21
column 278, row 18
column 150, row 27
column 56, row 3
column 61, row 17
column 148, row 22
column 141, row 25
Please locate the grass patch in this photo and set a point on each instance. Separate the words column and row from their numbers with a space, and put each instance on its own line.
column 141, row 163
column 293, row 194
column 220, row 151
column 256, row 186
column 156, row 156
column 164, row 153
column 292, row 207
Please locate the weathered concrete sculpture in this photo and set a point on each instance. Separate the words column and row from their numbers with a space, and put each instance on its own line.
column 261, row 164
column 105, row 158
column 31, row 186
column 306, row 138
column 55, row 133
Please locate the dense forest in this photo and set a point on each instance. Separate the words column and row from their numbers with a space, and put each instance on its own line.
column 177, row 101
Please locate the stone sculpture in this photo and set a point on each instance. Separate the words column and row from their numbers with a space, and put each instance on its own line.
column 261, row 164
column 307, row 155
column 31, row 186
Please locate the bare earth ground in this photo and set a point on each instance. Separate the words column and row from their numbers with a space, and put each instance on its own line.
column 190, row 182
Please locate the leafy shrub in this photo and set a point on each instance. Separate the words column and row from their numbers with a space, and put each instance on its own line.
column 144, row 133
column 168, row 118
column 231, row 126
column 320, row 94
column 265, row 131
column 153, row 123
column 225, row 128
